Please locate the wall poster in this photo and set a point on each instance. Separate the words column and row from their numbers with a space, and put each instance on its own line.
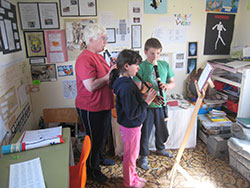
column 56, row 46
column 219, row 33
column 34, row 41
column 10, row 39
column 44, row 73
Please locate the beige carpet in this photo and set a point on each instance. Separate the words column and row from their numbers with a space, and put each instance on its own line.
column 205, row 169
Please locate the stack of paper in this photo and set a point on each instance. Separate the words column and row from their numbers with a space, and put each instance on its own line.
column 218, row 116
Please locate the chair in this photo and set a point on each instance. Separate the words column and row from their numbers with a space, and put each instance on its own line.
column 78, row 175
column 61, row 115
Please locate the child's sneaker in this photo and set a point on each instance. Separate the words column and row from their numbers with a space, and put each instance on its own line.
column 144, row 163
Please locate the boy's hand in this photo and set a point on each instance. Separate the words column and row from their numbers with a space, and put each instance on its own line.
column 164, row 87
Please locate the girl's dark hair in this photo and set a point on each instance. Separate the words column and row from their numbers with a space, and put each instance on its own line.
column 125, row 56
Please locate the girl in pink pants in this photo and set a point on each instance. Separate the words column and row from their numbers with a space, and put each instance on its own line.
column 131, row 112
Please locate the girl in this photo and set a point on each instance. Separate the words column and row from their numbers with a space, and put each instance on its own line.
column 131, row 112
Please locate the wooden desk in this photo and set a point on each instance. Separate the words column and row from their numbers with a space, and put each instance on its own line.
column 54, row 161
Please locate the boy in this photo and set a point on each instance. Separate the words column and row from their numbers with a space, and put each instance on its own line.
column 155, row 115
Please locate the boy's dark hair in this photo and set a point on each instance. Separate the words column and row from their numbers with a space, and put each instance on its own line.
column 152, row 43
column 125, row 56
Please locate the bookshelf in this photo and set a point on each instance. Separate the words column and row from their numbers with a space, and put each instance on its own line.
column 243, row 82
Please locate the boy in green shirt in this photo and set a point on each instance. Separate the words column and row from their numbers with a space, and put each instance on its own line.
column 155, row 114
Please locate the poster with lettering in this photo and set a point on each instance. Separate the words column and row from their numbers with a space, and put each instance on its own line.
column 219, row 33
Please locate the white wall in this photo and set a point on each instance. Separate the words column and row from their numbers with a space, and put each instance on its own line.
column 51, row 96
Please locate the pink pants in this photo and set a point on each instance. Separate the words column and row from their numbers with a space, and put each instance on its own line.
column 131, row 139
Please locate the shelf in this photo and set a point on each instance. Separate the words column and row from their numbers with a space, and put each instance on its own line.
column 224, row 80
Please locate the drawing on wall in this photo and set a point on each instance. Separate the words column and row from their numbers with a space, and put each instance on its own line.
column 219, row 28
column 192, row 62
column 219, row 33
column 44, row 73
column 155, row 6
column 66, row 70
column 69, row 89
column 183, row 20
column 74, row 35
column 35, row 46
column 228, row 6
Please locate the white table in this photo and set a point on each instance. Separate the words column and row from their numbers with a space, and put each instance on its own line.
column 177, row 125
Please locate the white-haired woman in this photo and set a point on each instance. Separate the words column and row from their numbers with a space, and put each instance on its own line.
column 94, row 99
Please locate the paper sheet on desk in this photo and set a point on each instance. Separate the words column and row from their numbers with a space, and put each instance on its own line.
column 26, row 174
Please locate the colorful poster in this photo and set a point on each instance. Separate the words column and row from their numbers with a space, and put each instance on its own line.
column 219, row 33
column 66, row 70
column 229, row 6
column 182, row 20
column 56, row 46
column 155, row 6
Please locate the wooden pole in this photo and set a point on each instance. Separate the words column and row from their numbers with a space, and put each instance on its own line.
column 201, row 96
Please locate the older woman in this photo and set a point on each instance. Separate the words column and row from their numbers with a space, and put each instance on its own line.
column 94, row 99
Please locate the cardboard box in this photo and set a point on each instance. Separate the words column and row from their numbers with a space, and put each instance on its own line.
column 217, row 145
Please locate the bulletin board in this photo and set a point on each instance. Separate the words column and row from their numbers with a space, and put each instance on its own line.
column 14, row 78
column 10, row 38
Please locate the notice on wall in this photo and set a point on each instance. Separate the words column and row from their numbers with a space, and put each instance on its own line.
column 8, row 104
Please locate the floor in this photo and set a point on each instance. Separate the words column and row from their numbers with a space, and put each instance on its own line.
column 206, row 170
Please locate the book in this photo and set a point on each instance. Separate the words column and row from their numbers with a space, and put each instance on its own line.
column 205, row 75
column 215, row 112
column 218, row 118
column 244, row 121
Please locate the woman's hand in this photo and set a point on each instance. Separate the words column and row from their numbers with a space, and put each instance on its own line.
column 150, row 96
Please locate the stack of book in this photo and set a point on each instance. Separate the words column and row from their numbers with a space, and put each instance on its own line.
column 245, row 122
column 218, row 116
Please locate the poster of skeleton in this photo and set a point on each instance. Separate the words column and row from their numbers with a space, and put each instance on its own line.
column 219, row 33
column 74, row 35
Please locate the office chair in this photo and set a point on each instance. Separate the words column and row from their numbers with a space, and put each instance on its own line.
column 78, row 173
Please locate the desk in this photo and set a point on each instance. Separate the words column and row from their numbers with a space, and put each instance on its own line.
column 177, row 124
column 54, row 161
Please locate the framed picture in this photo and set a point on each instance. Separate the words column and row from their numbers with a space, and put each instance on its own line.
column 111, row 35
column 49, row 15
column 87, row 8
column 192, row 62
column 136, row 36
column 192, row 49
column 34, row 42
column 69, row 8
column 44, row 73
column 29, row 16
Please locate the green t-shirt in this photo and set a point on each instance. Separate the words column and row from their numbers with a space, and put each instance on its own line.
column 147, row 73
